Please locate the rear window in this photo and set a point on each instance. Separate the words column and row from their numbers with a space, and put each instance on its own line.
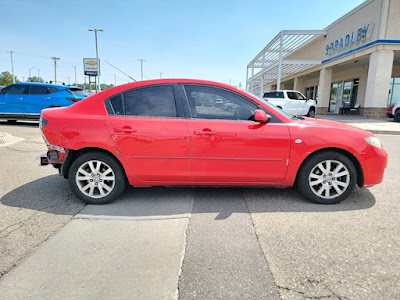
column 78, row 92
column 38, row 90
column 273, row 95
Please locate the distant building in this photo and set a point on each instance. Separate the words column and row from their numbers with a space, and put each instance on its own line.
column 356, row 60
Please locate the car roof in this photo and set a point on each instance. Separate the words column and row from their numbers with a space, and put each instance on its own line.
column 59, row 86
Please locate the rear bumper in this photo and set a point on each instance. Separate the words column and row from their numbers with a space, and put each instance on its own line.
column 52, row 157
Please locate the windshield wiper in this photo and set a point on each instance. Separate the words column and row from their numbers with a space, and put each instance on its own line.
column 298, row 118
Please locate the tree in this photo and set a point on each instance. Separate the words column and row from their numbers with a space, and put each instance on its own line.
column 6, row 78
column 35, row 79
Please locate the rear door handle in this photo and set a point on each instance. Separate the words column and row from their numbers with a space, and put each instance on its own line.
column 125, row 129
column 204, row 132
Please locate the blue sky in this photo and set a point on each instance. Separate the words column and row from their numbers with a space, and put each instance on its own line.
column 182, row 39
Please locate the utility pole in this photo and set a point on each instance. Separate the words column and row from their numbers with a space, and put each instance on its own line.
column 141, row 67
column 30, row 76
column 76, row 83
column 160, row 74
column 38, row 75
column 115, row 80
column 98, row 89
column 12, row 65
column 55, row 68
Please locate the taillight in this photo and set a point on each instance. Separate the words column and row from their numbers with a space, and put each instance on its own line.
column 73, row 99
column 42, row 123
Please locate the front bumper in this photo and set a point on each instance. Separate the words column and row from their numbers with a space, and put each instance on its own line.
column 374, row 164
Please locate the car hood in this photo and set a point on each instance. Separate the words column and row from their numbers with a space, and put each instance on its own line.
column 321, row 123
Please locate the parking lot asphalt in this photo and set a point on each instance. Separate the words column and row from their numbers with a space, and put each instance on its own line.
column 192, row 243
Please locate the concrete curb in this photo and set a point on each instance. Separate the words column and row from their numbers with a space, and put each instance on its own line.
column 7, row 139
column 385, row 132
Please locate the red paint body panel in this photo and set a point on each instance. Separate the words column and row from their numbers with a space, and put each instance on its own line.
column 238, row 151
column 157, row 149
column 179, row 151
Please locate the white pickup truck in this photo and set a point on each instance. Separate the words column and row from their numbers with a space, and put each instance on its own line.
column 393, row 111
column 292, row 102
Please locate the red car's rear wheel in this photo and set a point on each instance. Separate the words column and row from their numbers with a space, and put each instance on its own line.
column 96, row 178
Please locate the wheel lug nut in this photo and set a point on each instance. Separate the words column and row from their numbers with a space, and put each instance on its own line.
column 324, row 181
column 91, row 180
column 330, row 183
column 96, row 183
column 330, row 174
column 324, row 176
column 92, row 175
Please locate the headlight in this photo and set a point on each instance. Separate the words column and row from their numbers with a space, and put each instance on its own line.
column 374, row 141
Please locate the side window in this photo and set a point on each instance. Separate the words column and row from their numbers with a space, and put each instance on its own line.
column 292, row 95
column 52, row 90
column 273, row 95
column 15, row 90
column 116, row 105
column 299, row 96
column 37, row 90
column 207, row 102
column 155, row 101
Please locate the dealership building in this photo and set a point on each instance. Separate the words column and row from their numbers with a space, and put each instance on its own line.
column 355, row 60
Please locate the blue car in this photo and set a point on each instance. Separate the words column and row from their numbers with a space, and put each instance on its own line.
column 25, row 100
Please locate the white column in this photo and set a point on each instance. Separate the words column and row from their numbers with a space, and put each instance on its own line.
column 378, row 81
column 299, row 84
column 262, row 76
column 325, row 80
column 252, row 79
column 278, row 83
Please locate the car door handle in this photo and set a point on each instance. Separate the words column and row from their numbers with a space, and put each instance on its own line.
column 20, row 98
column 125, row 129
column 204, row 132
column 47, row 98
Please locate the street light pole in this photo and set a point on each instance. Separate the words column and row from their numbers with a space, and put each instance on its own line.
column 141, row 67
column 97, row 57
column 160, row 74
column 30, row 77
column 12, row 65
column 75, row 76
column 55, row 68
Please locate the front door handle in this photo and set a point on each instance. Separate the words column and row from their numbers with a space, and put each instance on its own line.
column 204, row 132
column 125, row 129
column 20, row 98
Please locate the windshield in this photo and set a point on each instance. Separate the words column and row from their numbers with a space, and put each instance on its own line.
column 270, row 105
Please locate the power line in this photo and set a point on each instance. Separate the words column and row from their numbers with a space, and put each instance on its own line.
column 120, row 70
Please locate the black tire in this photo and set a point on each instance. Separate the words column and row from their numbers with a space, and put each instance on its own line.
column 330, row 182
column 106, row 162
column 397, row 115
column 311, row 112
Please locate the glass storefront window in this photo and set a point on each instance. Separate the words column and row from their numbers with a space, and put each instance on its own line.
column 343, row 91
column 311, row 92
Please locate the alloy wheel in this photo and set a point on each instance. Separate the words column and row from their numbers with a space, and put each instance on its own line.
column 329, row 179
column 95, row 179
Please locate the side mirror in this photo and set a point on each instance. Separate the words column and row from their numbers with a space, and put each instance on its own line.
column 260, row 116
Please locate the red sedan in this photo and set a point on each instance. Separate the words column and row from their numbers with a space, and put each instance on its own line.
column 170, row 132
